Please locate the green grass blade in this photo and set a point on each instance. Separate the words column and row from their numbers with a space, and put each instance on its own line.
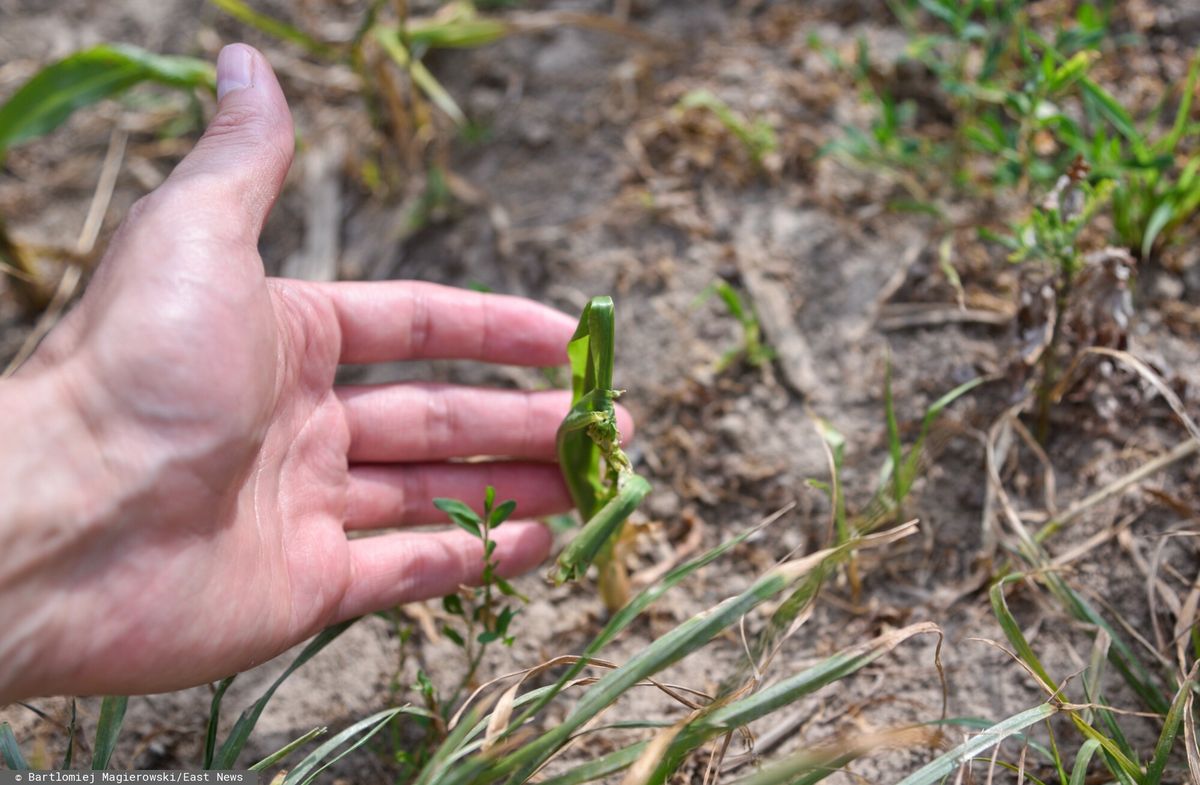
column 288, row 749
column 944, row 765
column 456, row 33
column 1082, row 759
column 624, row 617
column 667, row 650
column 978, row 723
column 1116, row 114
column 351, row 738
column 913, row 461
column 276, row 28
column 1121, row 766
column 227, row 756
column 1012, row 631
column 833, row 668
column 446, row 752
column 600, row 767
column 108, row 727
column 72, row 728
column 663, row 652
column 214, row 718
column 1121, row 655
column 1166, row 740
column 895, row 448
column 813, row 765
column 389, row 38
column 82, row 79
column 1162, row 215
column 10, row 751
column 1179, row 128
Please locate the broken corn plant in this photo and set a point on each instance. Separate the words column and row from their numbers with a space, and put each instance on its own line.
column 598, row 474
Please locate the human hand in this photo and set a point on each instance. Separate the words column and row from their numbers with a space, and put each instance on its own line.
column 186, row 471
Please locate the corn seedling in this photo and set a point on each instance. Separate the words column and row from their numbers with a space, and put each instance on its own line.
column 896, row 479
column 602, row 482
column 46, row 101
column 753, row 350
column 757, row 136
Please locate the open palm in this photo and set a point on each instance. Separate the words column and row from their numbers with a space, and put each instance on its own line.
column 228, row 472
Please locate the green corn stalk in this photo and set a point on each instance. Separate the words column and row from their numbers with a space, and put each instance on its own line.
column 602, row 482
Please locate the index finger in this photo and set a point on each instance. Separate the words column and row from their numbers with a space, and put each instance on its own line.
column 409, row 320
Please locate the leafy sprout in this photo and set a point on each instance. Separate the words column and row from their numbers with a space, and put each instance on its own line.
column 757, row 136
column 754, row 351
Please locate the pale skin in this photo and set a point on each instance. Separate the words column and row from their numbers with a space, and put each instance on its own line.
column 182, row 484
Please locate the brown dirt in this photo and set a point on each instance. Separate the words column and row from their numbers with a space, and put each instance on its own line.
column 589, row 182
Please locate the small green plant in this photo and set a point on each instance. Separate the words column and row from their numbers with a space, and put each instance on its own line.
column 757, row 136
column 1159, row 177
column 605, row 488
column 1050, row 233
column 485, row 618
column 900, row 471
column 754, row 351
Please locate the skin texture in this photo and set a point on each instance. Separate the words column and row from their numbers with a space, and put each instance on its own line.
column 183, row 475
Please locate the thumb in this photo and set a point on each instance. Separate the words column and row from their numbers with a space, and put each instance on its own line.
column 241, row 161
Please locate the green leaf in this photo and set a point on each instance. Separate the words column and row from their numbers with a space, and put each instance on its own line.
column 1116, row 114
column 453, row 604
column 1158, row 220
column 227, row 756
column 454, row 636
column 108, row 727
column 288, row 749
column 351, row 739
column 10, row 751
column 72, row 729
column 1082, row 759
column 895, row 448
column 1012, row 631
column 273, row 27
column 457, row 33
column 945, row 765
column 597, row 533
column 502, row 513
column 214, row 717
column 461, row 514
column 1166, row 739
column 390, row 39
column 600, row 767
column 84, row 78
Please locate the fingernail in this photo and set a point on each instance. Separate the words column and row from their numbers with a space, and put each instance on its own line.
column 235, row 69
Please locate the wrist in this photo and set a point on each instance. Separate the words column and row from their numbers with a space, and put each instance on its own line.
column 52, row 483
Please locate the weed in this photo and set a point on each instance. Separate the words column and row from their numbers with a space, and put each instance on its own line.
column 1023, row 105
column 486, row 620
column 487, row 746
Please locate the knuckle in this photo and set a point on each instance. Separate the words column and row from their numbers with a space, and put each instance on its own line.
column 440, row 425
